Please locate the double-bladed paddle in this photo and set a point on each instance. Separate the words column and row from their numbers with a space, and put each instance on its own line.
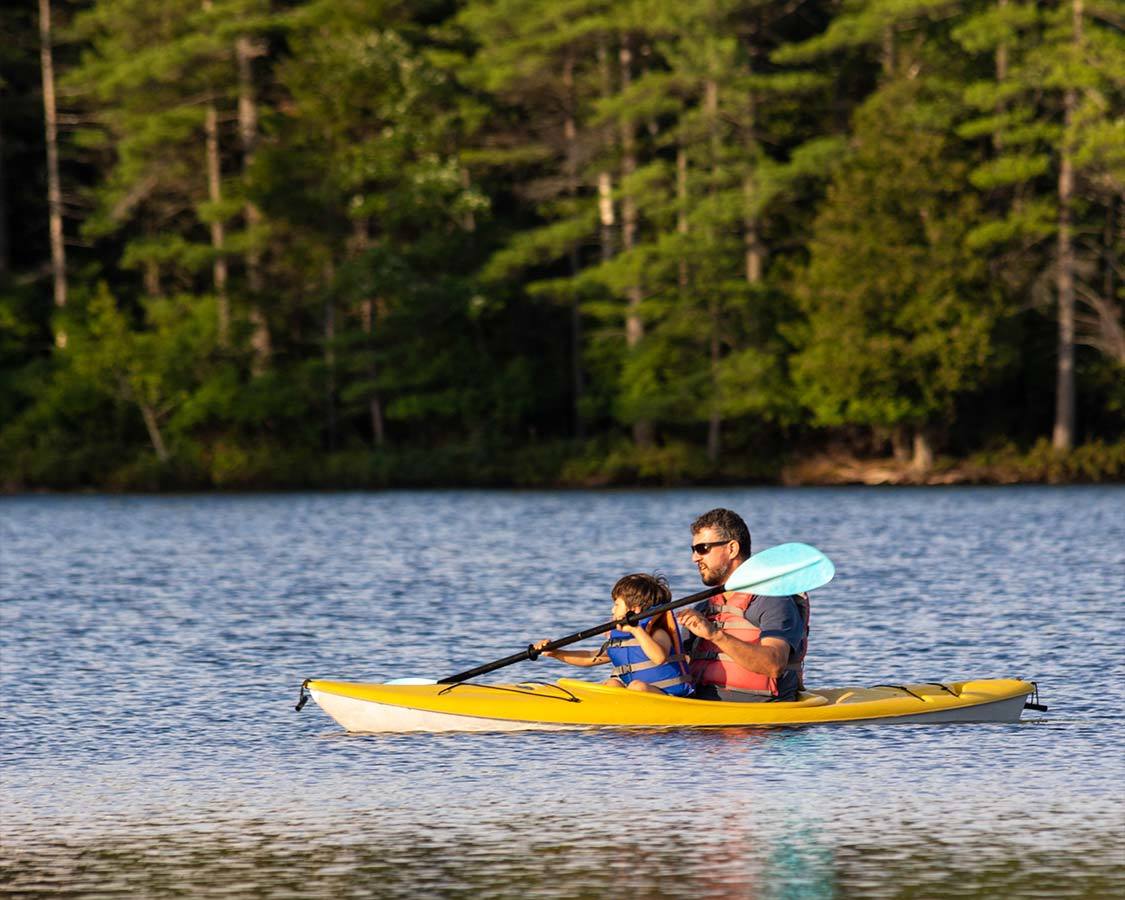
column 782, row 570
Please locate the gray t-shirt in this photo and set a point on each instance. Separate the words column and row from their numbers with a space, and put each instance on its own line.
column 777, row 617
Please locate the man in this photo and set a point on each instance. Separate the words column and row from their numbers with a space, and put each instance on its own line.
column 744, row 647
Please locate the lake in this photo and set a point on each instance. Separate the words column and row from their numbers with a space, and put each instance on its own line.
column 152, row 649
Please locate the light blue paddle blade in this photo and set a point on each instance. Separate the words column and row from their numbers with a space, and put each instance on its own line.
column 782, row 570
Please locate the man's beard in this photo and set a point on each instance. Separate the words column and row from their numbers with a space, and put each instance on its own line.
column 711, row 577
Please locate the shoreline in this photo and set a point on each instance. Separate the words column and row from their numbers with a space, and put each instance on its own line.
column 807, row 474
column 538, row 467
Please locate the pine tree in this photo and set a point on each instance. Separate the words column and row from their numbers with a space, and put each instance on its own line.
column 364, row 178
column 547, row 65
column 712, row 102
column 161, row 86
column 899, row 315
column 1054, row 111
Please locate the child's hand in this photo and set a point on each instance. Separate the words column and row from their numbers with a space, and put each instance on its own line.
column 539, row 645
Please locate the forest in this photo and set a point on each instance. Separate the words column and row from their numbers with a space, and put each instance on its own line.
column 254, row 244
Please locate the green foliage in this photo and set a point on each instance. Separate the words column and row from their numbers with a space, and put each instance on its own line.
column 333, row 243
column 1092, row 462
column 898, row 312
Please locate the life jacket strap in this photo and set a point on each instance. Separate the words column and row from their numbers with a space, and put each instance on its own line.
column 630, row 668
column 715, row 610
column 669, row 682
column 793, row 666
column 734, row 625
column 748, row 692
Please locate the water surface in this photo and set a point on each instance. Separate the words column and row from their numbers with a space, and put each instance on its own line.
column 152, row 648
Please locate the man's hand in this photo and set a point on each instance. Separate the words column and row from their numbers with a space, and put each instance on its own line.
column 697, row 625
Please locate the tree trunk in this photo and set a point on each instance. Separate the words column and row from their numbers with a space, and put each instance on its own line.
column 469, row 220
column 218, row 239
column 634, row 327
column 246, row 50
column 577, row 375
column 634, row 324
column 715, row 420
column 151, row 277
column 148, row 414
column 154, row 434
column 682, row 216
column 754, row 250
column 570, row 169
column 923, row 459
column 1002, row 50
column 5, row 250
column 1109, row 273
column 715, row 416
column 900, row 444
column 54, row 189
column 374, row 402
column 606, row 216
column 752, row 242
column 330, row 357
column 369, row 311
column 1001, row 76
column 888, row 51
column 215, row 194
column 1063, row 436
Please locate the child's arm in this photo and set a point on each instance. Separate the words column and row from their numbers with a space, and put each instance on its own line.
column 655, row 646
column 583, row 658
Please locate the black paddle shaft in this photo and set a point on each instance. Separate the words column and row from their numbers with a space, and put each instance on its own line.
column 531, row 653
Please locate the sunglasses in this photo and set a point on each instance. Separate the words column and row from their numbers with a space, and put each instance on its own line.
column 704, row 549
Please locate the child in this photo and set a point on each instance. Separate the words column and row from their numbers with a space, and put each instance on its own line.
column 647, row 656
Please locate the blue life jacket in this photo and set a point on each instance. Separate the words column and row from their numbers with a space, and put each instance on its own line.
column 630, row 661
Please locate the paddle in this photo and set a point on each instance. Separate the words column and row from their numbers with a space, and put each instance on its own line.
column 777, row 572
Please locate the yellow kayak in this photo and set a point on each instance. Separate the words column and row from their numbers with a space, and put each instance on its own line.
column 570, row 703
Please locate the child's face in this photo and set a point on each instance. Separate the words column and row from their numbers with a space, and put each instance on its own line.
column 620, row 608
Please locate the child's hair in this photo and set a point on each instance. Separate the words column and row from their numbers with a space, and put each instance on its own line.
column 640, row 591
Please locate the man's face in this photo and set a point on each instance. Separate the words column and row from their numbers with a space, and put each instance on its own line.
column 716, row 561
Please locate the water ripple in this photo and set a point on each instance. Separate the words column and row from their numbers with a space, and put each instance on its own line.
column 151, row 651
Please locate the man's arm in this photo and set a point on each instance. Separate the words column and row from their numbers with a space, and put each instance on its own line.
column 770, row 657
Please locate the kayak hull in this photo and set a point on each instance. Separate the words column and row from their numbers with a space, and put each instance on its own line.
column 570, row 703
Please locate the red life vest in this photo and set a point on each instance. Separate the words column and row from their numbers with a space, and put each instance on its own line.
column 710, row 666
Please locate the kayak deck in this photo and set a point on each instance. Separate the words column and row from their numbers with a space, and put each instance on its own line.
column 571, row 703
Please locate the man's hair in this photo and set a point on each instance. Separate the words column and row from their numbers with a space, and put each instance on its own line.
column 729, row 526
column 640, row 591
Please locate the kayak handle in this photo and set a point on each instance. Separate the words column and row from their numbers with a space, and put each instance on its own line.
column 303, row 697
column 1033, row 701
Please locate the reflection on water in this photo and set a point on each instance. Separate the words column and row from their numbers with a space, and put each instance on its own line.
column 534, row 857
column 151, row 649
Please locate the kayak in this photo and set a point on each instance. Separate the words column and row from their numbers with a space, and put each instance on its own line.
column 572, row 703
